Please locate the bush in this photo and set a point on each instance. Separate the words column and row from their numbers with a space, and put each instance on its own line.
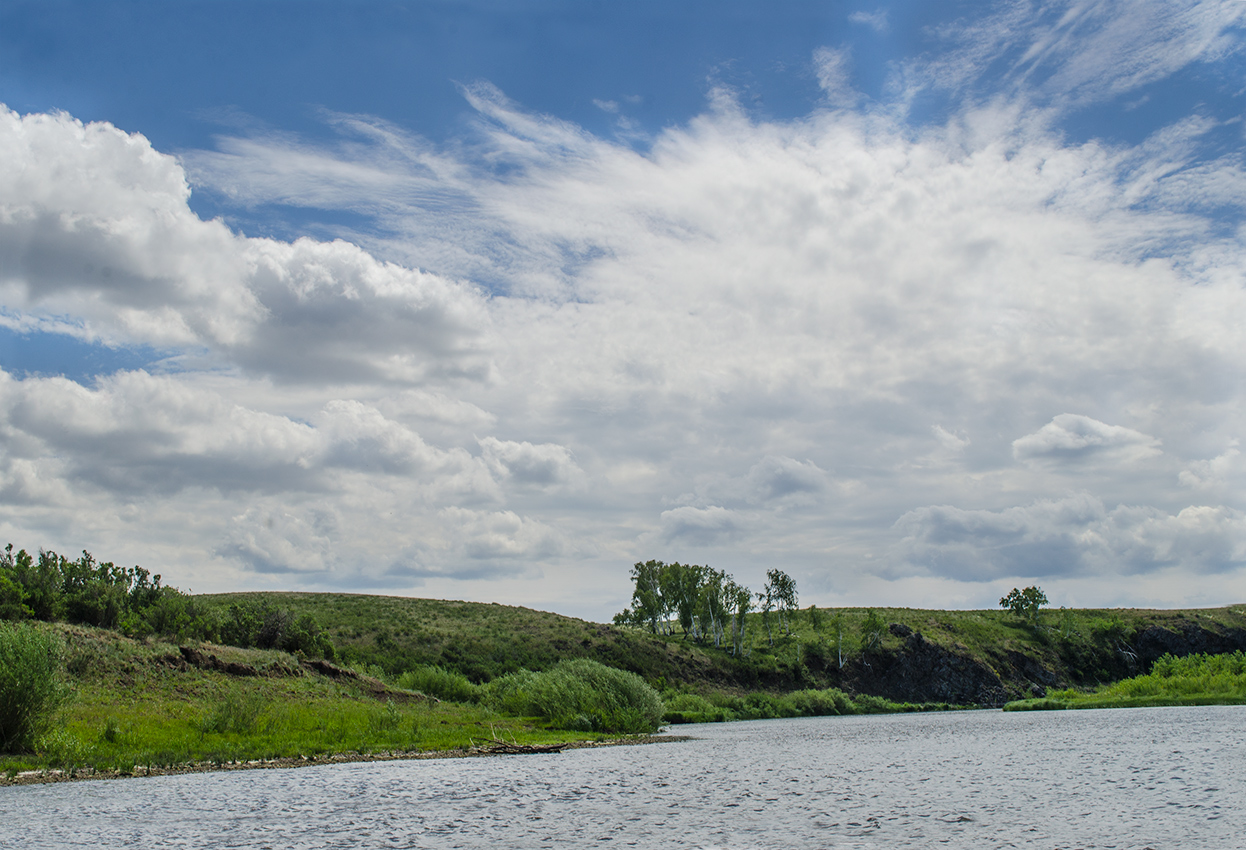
column 579, row 694
column 439, row 682
column 31, row 686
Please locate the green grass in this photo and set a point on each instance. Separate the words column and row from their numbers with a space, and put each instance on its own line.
column 132, row 705
column 1193, row 680
column 688, row 707
column 484, row 641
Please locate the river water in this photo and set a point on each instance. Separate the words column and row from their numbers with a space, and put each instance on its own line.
column 1124, row 778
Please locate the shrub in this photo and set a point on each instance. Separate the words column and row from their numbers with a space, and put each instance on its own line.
column 31, row 686
column 579, row 693
column 439, row 682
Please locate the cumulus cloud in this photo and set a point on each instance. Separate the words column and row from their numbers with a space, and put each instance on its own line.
column 94, row 223
column 784, row 477
column 141, row 433
column 1072, row 438
column 502, row 535
column 1225, row 469
column 745, row 335
column 544, row 465
column 280, row 542
column 701, row 526
column 1073, row 536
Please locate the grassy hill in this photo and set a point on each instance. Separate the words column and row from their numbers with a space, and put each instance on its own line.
column 145, row 704
column 917, row 655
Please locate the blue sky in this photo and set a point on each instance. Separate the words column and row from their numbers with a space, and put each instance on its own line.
column 489, row 300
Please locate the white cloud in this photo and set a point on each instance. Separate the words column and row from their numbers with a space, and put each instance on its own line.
column 1225, row 469
column 1071, row 537
column 1073, row 53
column 701, row 526
column 543, row 465
column 876, row 21
column 832, row 68
column 503, row 535
column 94, row 224
column 1072, row 438
column 548, row 353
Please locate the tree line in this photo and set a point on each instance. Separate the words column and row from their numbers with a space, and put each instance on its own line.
column 709, row 605
column 53, row 588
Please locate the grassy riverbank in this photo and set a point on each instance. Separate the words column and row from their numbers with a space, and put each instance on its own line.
column 135, row 705
column 840, row 648
column 1194, row 680
column 144, row 701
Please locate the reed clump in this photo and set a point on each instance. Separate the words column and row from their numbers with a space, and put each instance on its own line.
column 32, row 687
column 581, row 695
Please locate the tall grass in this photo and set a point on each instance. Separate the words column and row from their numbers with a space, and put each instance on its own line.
column 31, row 684
column 716, row 708
column 579, row 694
column 1197, row 679
column 435, row 681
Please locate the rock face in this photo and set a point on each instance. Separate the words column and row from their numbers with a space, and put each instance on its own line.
column 926, row 672
column 1153, row 642
column 922, row 671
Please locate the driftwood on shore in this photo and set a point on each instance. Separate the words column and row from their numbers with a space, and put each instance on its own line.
column 507, row 748
column 501, row 747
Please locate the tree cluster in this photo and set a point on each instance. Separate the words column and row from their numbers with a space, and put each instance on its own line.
column 709, row 605
column 53, row 588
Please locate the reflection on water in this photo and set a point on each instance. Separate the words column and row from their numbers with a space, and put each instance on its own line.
column 1136, row 778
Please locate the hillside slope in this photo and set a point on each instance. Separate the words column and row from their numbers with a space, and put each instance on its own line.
column 960, row 657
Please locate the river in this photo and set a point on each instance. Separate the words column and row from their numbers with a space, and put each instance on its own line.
column 1125, row 778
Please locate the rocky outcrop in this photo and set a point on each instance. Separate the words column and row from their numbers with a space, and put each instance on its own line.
column 1154, row 642
column 922, row 671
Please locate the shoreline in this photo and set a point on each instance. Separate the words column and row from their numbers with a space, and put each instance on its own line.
column 48, row 776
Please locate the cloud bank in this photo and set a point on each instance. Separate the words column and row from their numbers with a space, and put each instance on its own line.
column 909, row 363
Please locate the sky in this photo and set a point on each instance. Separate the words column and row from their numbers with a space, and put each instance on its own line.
column 917, row 302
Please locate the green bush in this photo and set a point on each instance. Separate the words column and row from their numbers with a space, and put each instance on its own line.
column 579, row 694
column 439, row 682
column 31, row 685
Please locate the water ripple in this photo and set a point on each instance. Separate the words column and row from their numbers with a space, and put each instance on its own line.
column 1096, row 780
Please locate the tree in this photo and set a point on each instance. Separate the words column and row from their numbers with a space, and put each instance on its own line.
column 713, row 603
column 872, row 631
column 782, row 588
column 1025, row 603
column 742, row 599
column 766, row 600
column 837, row 626
column 815, row 619
column 647, row 603
column 680, row 584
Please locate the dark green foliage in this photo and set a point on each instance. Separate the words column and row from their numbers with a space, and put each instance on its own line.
column 1025, row 603
column 31, row 686
column 439, row 682
column 579, row 694
column 872, row 631
column 701, row 600
column 133, row 601
column 815, row 619
column 265, row 626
